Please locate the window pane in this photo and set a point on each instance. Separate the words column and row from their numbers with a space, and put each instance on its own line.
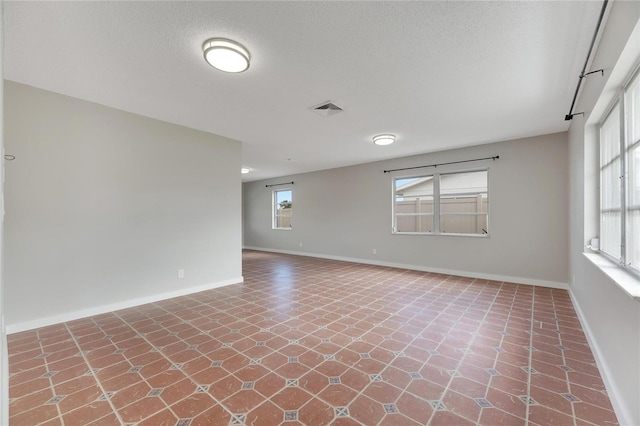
column 610, row 231
column 633, row 184
column 464, row 203
column 610, row 138
column 610, row 185
column 413, row 207
column 633, row 238
column 284, row 219
column 284, row 198
column 632, row 110
column 463, row 224
column 414, row 223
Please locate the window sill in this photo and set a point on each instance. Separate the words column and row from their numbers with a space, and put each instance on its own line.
column 624, row 279
column 442, row 234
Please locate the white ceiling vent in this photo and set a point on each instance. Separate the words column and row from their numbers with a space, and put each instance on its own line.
column 326, row 109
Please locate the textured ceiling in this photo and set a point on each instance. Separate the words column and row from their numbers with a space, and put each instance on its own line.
column 439, row 75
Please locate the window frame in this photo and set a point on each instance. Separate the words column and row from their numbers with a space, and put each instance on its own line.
column 602, row 167
column 625, row 147
column 436, row 204
column 274, row 209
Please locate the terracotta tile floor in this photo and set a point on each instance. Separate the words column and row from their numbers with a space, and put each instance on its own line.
column 311, row 341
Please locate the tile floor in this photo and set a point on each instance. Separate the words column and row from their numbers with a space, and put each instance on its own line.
column 314, row 342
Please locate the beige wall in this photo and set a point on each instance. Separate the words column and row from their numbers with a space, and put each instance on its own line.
column 346, row 213
column 103, row 207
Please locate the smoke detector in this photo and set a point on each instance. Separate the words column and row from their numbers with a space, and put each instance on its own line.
column 326, row 109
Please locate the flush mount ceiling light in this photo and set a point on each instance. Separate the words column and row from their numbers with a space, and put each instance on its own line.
column 386, row 139
column 226, row 55
column 245, row 170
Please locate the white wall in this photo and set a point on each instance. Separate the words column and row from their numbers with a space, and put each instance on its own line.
column 346, row 213
column 610, row 317
column 104, row 206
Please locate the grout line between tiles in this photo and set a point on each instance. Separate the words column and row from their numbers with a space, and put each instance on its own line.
column 51, row 385
column 531, row 331
column 564, row 362
column 93, row 374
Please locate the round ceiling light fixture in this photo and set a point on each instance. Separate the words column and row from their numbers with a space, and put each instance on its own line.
column 226, row 55
column 245, row 170
column 386, row 139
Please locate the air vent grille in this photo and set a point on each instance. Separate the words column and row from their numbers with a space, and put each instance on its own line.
column 326, row 109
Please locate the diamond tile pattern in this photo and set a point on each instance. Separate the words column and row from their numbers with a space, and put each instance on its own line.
column 317, row 342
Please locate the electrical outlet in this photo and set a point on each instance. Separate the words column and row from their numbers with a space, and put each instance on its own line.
column 180, row 273
column 375, row 251
column 300, row 244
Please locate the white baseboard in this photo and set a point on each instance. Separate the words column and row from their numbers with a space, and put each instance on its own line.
column 622, row 411
column 97, row 310
column 467, row 274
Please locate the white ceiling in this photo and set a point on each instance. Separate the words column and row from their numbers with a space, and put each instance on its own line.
column 439, row 75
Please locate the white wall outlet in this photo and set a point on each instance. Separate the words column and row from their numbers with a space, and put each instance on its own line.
column 300, row 244
column 375, row 251
column 180, row 273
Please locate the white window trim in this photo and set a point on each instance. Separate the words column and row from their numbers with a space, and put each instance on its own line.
column 273, row 209
column 436, row 205
column 617, row 103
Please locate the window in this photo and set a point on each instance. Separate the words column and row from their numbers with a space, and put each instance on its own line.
column 442, row 203
column 282, row 209
column 620, row 178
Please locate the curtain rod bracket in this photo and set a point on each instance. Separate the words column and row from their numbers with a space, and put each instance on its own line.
column 601, row 70
column 570, row 116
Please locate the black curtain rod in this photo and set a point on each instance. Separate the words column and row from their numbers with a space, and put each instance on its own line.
column 444, row 164
column 278, row 184
column 586, row 62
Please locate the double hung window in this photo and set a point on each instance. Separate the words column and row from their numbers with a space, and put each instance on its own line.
column 282, row 209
